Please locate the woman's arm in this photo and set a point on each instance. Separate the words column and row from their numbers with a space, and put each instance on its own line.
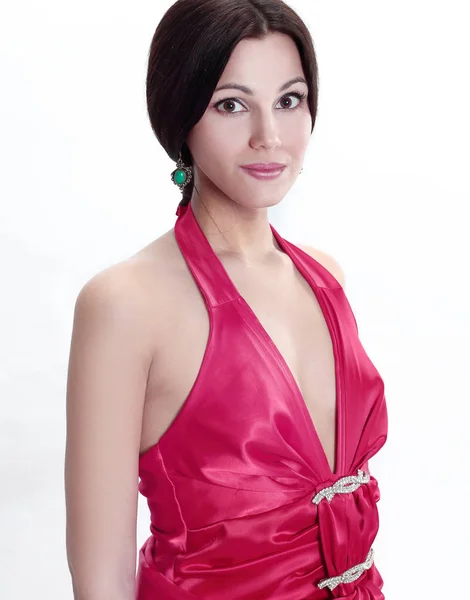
column 108, row 367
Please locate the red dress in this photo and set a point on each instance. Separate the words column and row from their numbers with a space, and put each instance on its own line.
column 243, row 503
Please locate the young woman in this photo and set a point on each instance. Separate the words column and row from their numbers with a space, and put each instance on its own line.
column 221, row 364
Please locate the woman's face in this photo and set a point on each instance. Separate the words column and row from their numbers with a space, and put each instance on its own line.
column 239, row 128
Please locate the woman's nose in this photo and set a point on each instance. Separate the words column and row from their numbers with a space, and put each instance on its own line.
column 265, row 132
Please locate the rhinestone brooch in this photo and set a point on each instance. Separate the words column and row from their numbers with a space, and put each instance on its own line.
column 350, row 575
column 345, row 485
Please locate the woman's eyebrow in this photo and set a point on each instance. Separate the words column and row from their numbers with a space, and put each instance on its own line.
column 243, row 88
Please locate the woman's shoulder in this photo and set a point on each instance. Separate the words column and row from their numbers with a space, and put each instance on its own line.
column 327, row 261
column 138, row 288
column 151, row 267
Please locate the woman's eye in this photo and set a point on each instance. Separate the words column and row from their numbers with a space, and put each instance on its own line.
column 232, row 101
column 225, row 103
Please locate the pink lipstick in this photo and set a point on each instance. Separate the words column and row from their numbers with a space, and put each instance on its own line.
column 264, row 171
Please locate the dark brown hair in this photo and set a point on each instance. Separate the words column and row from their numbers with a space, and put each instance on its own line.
column 189, row 52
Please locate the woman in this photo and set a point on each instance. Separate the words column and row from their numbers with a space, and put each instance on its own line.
column 221, row 364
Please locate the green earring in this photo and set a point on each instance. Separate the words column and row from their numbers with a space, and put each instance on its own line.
column 182, row 175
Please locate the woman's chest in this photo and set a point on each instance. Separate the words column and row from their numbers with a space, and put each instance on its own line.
column 286, row 314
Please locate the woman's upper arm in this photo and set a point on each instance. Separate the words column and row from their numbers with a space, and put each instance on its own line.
column 107, row 376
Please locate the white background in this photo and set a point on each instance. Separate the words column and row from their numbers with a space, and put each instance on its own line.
column 385, row 189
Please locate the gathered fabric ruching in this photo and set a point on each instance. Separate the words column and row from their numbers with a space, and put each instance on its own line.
column 348, row 526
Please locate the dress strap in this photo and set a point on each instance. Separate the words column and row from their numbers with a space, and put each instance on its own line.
column 204, row 264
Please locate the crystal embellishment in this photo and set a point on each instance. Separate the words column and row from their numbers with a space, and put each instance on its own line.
column 350, row 575
column 345, row 485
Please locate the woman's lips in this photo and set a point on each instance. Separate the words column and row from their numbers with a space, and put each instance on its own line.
column 264, row 166
column 264, row 174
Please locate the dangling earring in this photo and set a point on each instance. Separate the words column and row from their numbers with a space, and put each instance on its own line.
column 301, row 170
column 182, row 175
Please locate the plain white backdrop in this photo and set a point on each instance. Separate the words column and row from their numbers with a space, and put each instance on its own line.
column 385, row 189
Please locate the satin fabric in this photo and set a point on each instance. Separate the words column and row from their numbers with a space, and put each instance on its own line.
column 230, row 483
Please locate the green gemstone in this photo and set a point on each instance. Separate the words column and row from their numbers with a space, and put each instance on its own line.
column 180, row 176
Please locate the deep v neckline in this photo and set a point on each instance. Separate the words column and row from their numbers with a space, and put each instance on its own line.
column 292, row 381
